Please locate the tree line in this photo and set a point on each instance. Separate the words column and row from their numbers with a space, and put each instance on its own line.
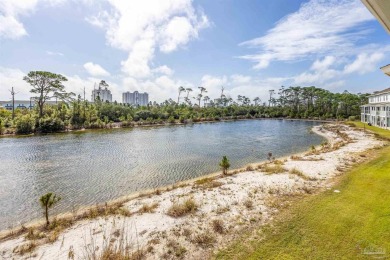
column 71, row 112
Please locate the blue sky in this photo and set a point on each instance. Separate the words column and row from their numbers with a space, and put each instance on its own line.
column 247, row 46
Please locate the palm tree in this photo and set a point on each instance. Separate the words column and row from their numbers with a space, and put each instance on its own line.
column 239, row 99
column 187, row 100
column 181, row 89
column 271, row 92
column 202, row 89
column 199, row 98
column 205, row 99
column 188, row 91
column 47, row 201
column 245, row 100
column 224, row 164
column 257, row 100
column 222, row 89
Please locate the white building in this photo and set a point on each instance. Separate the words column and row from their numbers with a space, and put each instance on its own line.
column 135, row 98
column 103, row 93
column 377, row 111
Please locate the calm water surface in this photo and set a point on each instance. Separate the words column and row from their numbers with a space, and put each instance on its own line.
column 96, row 166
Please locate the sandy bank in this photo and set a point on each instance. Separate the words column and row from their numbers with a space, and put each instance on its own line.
column 226, row 206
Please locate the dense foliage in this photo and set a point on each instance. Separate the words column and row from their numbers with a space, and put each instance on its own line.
column 292, row 102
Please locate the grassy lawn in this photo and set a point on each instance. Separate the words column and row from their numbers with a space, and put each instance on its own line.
column 382, row 132
column 331, row 225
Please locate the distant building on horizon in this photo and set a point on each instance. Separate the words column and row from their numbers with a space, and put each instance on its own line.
column 104, row 94
column 23, row 104
column 135, row 98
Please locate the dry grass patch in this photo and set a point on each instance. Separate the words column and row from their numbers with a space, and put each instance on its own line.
column 273, row 169
column 148, row 208
column 299, row 173
column 25, row 248
column 218, row 226
column 34, row 234
column 182, row 209
column 221, row 210
column 204, row 240
column 249, row 168
column 248, row 203
column 174, row 248
column 296, row 158
column 112, row 253
column 207, row 183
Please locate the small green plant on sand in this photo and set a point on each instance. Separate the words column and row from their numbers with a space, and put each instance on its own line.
column 47, row 201
column 225, row 165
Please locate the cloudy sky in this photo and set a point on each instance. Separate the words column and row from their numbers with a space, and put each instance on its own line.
column 247, row 46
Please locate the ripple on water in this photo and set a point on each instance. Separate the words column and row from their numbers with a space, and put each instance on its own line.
column 96, row 166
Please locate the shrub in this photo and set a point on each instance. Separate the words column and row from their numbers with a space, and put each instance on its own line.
column 181, row 209
column 299, row 173
column 204, row 240
column 249, row 168
column 25, row 125
column 208, row 183
column 248, row 204
column 273, row 169
column 218, row 226
column 175, row 248
column 295, row 157
column 26, row 248
column 51, row 125
column 1, row 127
column 148, row 208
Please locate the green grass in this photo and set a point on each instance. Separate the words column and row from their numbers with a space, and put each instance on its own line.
column 379, row 131
column 330, row 225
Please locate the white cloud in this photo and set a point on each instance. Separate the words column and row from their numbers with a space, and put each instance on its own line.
column 54, row 53
column 317, row 28
column 240, row 78
column 334, row 85
column 142, row 27
column 330, row 72
column 13, row 78
column 95, row 70
column 164, row 70
column 318, row 74
column 321, row 65
column 11, row 10
column 11, row 28
column 364, row 63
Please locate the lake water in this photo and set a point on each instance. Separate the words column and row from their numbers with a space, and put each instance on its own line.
column 92, row 167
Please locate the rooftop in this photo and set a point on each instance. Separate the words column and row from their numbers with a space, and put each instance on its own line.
column 386, row 69
column 381, row 10
column 387, row 90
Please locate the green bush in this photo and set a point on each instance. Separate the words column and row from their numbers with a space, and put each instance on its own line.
column 352, row 118
column 25, row 125
column 51, row 125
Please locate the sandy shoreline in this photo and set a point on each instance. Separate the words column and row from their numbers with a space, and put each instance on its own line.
column 238, row 201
